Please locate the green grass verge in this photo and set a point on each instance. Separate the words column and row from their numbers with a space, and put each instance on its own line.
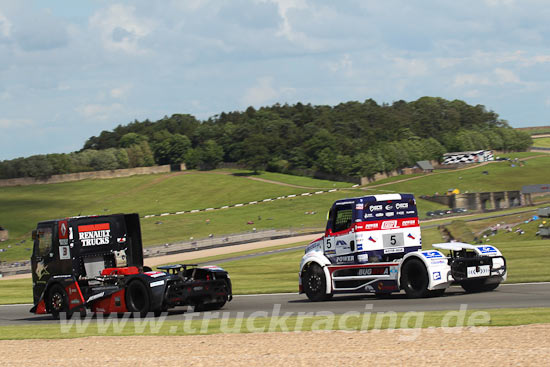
column 527, row 261
column 409, row 324
column 541, row 143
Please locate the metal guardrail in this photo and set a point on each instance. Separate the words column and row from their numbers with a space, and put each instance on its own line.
column 189, row 246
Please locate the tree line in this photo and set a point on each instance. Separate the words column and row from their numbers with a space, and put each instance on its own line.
column 352, row 139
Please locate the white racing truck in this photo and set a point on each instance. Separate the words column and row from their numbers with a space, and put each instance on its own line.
column 372, row 244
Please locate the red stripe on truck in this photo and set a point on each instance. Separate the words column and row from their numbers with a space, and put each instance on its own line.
column 94, row 227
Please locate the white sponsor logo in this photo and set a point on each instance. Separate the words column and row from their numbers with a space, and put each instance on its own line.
column 401, row 205
column 408, row 223
column 371, row 226
column 341, row 259
column 96, row 296
column 156, row 284
column 389, row 207
column 375, row 208
column 389, row 224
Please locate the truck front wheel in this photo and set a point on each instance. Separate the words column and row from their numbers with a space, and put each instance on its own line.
column 58, row 301
column 315, row 284
column 414, row 279
column 137, row 298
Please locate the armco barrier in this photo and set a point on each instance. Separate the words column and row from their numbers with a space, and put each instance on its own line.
column 192, row 245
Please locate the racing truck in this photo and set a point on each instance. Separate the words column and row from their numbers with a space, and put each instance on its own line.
column 372, row 244
column 96, row 263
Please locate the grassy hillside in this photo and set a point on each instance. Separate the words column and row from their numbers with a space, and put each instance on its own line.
column 541, row 142
column 500, row 176
column 22, row 207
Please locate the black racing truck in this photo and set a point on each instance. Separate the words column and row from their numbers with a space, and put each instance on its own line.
column 96, row 263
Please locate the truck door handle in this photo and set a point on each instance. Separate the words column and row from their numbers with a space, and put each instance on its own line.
column 352, row 246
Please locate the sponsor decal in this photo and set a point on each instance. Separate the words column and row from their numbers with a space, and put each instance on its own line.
column 389, row 224
column 156, row 284
column 121, row 240
column 341, row 243
column 344, row 259
column 478, row 271
column 372, row 239
column 371, row 225
column 330, row 252
column 389, row 207
column 436, row 261
column 155, row 274
column 379, row 215
column 94, row 234
column 401, row 205
column 487, row 249
column 389, row 214
column 407, row 223
column 431, row 254
column 410, row 212
column 359, row 206
column 375, row 208
column 359, row 247
column 373, row 271
column 96, row 296
column 368, row 215
column 437, row 275
column 363, row 258
column 400, row 213
column 393, row 250
column 411, row 236
column 62, row 229
column 314, row 246
column 41, row 269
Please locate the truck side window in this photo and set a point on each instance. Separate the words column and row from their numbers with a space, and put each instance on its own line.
column 342, row 218
column 44, row 239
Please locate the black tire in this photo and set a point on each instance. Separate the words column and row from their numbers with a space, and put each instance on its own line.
column 58, row 302
column 478, row 285
column 414, row 279
column 314, row 283
column 137, row 298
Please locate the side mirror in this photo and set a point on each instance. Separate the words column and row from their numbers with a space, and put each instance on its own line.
column 33, row 236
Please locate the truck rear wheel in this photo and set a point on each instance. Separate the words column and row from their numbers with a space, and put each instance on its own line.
column 478, row 285
column 414, row 279
column 315, row 284
column 137, row 298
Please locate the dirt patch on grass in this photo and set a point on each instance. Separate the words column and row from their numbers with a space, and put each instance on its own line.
column 501, row 346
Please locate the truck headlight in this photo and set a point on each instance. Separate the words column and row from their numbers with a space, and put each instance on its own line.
column 498, row 262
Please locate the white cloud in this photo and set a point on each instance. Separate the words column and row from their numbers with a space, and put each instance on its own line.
column 15, row 123
column 410, row 67
column 470, row 79
column 5, row 26
column 120, row 92
column 100, row 111
column 120, row 29
column 344, row 65
column 505, row 76
column 499, row 2
column 261, row 93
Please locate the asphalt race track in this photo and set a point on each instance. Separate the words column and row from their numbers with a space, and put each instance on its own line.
column 506, row 296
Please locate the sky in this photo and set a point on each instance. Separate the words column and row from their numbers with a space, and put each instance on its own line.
column 70, row 69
